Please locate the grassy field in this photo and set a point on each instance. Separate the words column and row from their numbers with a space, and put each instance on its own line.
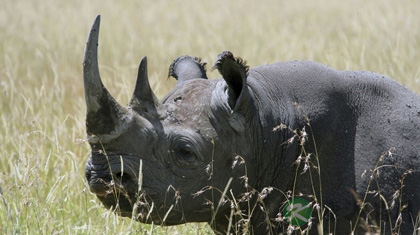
column 42, row 111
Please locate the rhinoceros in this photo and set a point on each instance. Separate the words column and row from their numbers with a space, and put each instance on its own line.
column 235, row 152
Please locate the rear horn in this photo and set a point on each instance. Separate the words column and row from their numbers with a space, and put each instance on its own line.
column 144, row 100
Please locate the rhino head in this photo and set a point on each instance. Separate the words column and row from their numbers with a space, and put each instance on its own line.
column 169, row 162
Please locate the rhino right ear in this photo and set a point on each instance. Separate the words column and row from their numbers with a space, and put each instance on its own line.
column 186, row 67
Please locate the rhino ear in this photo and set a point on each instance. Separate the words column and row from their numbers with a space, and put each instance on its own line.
column 186, row 67
column 234, row 71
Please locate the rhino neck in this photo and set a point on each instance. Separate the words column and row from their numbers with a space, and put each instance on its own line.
column 272, row 130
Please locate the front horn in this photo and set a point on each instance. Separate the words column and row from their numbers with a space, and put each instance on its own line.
column 103, row 111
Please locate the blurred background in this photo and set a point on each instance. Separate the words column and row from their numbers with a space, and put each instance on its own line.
column 42, row 110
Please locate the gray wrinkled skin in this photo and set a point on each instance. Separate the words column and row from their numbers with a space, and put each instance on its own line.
column 168, row 162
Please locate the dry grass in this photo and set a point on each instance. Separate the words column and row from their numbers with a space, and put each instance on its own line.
column 43, row 190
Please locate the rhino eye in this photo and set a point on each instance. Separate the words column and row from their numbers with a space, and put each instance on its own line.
column 184, row 153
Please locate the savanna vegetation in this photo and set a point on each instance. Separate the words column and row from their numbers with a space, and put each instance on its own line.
column 42, row 111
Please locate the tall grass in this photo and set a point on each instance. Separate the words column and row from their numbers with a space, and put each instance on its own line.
column 42, row 133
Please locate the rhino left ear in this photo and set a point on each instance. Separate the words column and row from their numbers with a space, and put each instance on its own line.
column 234, row 71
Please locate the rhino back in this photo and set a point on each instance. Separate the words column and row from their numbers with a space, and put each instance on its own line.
column 378, row 108
column 355, row 118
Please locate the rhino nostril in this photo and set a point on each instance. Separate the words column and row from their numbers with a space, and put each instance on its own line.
column 88, row 175
column 122, row 177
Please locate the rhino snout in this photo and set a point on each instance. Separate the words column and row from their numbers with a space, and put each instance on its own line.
column 108, row 174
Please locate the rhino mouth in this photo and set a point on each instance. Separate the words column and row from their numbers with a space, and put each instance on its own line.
column 111, row 176
column 114, row 180
column 114, row 184
column 117, row 196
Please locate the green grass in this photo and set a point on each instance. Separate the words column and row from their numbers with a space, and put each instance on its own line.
column 42, row 110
